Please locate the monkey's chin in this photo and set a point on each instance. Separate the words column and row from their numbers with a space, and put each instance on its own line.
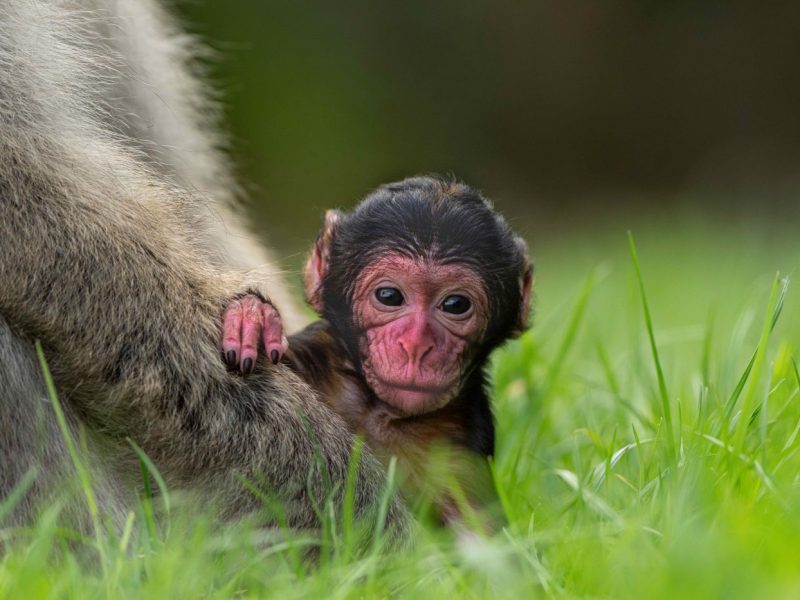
column 413, row 400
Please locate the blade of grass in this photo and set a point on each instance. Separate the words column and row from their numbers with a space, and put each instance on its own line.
column 776, row 313
column 153, row 471
column 572, row 330
column 763, row 424
column 662, row 385
column 705, row 360
column 148, row 470
column 348, row 504
column 83, row 472
column 608, row 370
column 774, row 306
column 383, row 506
column 17, row 493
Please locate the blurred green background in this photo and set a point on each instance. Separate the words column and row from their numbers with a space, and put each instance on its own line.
column 565, row 113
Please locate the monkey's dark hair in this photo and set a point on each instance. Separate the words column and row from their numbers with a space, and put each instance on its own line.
column 430, row 218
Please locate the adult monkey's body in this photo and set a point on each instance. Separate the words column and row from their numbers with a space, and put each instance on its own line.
column 116, row 251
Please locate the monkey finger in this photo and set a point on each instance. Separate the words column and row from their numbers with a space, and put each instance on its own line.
column 275, row 342
column 232, row 334
column 252, row 326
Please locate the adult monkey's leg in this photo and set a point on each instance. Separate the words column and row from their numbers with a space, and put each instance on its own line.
column 34, row 454
column 103, row 258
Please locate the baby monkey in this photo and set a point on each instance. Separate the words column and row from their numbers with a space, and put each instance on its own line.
column 416, row 287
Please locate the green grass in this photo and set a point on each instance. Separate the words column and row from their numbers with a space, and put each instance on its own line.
column 648, row 447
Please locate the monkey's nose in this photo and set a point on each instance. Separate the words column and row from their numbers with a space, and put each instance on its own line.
column 415, row 352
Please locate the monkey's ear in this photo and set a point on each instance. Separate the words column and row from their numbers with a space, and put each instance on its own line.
column 526, row 287
column 317, row 264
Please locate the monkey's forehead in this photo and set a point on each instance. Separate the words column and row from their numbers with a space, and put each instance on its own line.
column 421, row 274
column 453, row 231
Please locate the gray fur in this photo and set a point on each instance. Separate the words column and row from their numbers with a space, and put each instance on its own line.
column 118, row 251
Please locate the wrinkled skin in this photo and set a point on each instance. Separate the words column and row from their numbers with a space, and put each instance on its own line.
column 413, row 354
column 249, row 324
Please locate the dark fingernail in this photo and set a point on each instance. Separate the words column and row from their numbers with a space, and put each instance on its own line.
column 230, row 358
column 247, row 365
column 274, row 356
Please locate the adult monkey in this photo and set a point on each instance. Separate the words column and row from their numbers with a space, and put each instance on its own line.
column 117, row 253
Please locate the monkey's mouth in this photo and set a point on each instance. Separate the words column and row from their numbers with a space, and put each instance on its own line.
column 413, row 398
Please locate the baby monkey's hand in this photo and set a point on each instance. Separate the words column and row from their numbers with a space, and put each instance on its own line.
column 251, row 323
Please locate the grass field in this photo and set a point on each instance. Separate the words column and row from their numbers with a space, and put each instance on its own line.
column 646, row 449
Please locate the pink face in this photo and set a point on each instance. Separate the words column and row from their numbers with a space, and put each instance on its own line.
column 420, row 320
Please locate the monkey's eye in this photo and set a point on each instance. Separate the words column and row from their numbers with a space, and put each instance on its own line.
column 456, row 304
column 389, row 296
